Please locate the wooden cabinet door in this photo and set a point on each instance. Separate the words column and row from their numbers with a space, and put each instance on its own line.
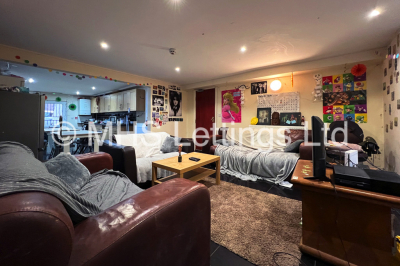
column 102, row 105
column 94, row 106
column 114, row 102
column 107, row 103
column 120, row 101
column 127, row 100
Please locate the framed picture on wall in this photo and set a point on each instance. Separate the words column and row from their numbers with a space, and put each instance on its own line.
column 259, row 87
column 290, row 119
column 264, row 116
column 175, row 103
column 158, row 100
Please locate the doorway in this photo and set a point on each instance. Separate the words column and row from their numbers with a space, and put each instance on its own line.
column 205, row 111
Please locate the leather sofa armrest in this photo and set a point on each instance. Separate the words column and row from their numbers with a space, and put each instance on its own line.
column 210, row 142
column 168, row 224
column 96, row 161
column 124, row 159
column 188, row 148
column 35, row 229
column 305, row 152
column 212, row 150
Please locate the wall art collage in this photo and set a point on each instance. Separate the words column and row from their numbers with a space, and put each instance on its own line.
column 345, row 98
column 166, row 104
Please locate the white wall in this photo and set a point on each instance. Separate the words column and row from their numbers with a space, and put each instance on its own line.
column 392, row 142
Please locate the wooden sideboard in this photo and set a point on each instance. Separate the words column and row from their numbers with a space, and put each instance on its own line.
column 353, row 225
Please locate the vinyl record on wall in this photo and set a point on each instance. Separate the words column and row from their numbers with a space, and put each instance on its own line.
column 72, row 107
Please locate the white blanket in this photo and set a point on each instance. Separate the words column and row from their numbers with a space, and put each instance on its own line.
column 146, row 145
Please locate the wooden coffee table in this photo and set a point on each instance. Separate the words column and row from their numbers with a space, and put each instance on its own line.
column 187, row 169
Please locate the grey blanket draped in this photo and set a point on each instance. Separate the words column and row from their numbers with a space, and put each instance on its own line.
column 251, row 164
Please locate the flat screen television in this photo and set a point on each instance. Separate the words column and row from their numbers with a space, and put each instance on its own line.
column 319, row 152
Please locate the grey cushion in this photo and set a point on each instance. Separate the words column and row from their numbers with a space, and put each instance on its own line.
column 169, row 145
column 69, row 169
column 225, row 142
column 294, row 146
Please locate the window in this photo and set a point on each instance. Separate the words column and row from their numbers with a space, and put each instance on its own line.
column 52, row 112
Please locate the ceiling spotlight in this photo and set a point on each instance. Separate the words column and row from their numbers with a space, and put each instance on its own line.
column 243, row 49
column 275, row 85
column 93, row 88
column 104, row 45
column 77, row 92
column 178, row 69
column 31, row 80
column 374, row 13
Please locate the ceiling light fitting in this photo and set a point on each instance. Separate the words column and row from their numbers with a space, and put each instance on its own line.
column 104, row 45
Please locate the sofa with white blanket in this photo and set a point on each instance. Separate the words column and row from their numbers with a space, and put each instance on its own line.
column 133, row 154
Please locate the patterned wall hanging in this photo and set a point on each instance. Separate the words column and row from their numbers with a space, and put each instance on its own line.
column 345, row 98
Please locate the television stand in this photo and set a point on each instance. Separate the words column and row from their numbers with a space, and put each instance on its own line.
column 324, row 179
column 363, row 221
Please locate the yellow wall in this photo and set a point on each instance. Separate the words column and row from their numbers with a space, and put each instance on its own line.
column 51, row 62
column 304, row 84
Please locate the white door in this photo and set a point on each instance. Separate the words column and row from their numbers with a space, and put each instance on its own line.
column 52, row 112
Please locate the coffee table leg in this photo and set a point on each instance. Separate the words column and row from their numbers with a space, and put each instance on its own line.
column 217, row 174
column 153, row 175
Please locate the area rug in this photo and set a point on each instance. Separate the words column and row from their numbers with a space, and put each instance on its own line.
column 254, row 224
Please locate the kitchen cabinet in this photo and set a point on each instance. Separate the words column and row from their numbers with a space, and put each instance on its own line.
column 94, row 106
column 135, row 100
column 120, row 101
column 114, row 103
column 105, row 104
column 138, row 100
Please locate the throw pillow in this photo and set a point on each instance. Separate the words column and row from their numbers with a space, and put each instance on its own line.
column 169, row 145
column 294, row 146
column 69, row 169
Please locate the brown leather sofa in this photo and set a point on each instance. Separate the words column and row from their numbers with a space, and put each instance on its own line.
column 168, row 224
column 124, row 157
column 292, row 134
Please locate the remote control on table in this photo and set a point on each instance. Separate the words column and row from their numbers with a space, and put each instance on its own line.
column 194, row 159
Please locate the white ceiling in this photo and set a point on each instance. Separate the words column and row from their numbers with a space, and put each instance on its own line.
column 207, row 34
column 45, row 81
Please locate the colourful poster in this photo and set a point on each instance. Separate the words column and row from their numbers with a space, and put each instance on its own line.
column 345, row 98
column 327, row 80
column 328, row 118
column 328, row 110
column 337, row 79
column 349, row 86
column 338, row 109
column 348, row 77
column 361, row 118
column 338, row 117
column 231, row 108
column 338, row 87
column 327, row 88
column 349, row 109
column 360, row 85
column 349, row 117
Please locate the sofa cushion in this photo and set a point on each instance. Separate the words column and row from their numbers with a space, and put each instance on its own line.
column 69, row 169
column 294, row 146
column 170, row 145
